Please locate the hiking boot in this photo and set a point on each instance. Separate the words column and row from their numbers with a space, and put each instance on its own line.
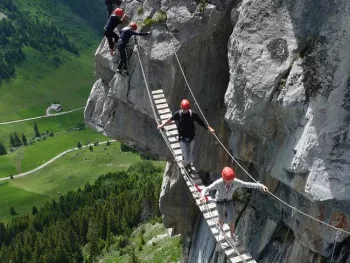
column 235, row 240
column 193, row 168
column 188, row 168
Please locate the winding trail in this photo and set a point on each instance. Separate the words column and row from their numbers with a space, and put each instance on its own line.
column 41, row 117
column 50, row 161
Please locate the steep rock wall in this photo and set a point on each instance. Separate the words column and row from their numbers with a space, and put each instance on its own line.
column 283, row 74
column 287, row 107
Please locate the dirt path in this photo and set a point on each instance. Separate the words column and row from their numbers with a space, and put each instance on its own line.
column 41, row 117
column 50, row 161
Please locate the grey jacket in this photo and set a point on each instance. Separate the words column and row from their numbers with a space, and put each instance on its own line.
column 226, row 193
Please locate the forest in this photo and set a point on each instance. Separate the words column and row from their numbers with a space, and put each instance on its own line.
column 21, row 29
column 89, row 218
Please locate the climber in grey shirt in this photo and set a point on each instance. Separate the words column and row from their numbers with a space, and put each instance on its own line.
column 225, row 187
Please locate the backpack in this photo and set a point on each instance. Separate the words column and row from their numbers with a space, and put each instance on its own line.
column 181, row 119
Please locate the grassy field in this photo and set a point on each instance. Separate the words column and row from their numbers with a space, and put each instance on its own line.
column 39, row 84
column 165, row 250
column 70, row 172
column 29, row 157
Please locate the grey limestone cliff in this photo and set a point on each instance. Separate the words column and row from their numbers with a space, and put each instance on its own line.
column 272, row 78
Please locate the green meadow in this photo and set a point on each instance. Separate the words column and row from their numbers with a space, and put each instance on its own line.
column 38, row 84
column 29, row 157
column 67, row 173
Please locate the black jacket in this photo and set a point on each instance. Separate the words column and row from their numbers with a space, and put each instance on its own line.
column 126, row 33
column 112, row 23
column 185, row 124
column 117, row 2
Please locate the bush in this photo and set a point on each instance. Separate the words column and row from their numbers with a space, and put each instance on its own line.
column 202, row 5
column 81, row 126
column 79, row 145
column 125, row 148
column 13, row 211
column 140, row 10
column 160, row 16
column 2, row 149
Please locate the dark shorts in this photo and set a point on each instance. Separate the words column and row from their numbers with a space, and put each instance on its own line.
column 225, row 206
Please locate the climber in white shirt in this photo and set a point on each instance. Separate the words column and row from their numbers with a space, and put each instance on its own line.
column 225, row 186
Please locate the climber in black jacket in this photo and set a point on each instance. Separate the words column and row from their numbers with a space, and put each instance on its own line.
column 109, row 5
column 114, row 20
column 125, row 34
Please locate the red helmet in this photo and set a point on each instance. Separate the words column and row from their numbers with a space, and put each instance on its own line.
column 228, row 173
column 118, row 12
column 185, row 104
column 133, row 25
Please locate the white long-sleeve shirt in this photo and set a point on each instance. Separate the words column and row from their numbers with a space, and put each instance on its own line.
column 224, row 191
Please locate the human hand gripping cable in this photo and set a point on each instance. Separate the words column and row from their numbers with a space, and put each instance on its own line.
column 264, row 188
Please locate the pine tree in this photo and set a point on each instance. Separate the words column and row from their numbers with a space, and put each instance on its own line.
column 24, row 139
column 18, row 142
column 91, row 148
column 2, row 149
column 36, row 130
column 13, row 211
column 79, row 145
column 12, row 141
column 92, row 237
column 34, row 210
column 132, row 256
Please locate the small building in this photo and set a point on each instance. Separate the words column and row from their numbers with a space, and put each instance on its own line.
column 56, row 107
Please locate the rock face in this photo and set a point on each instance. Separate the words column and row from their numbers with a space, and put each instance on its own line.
column 272, row 78
column 2, row 16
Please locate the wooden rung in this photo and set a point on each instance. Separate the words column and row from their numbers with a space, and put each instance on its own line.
column 172, row 134
column 230, row 252
column 215, row 232
column 219, row 238
column 238, row 259
column 172, row 139
column 191, row 183
column 158, row 96
column 162, row 106
column 212, row 222
column 166, row 110
column 211, row 215
column 179, row 158
column 192, row 189
column 158, row 91
column 160, row 101
column 178, row 152
column 165, row 116
column 175, row 145
column 170, row 127
column 209, row 206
